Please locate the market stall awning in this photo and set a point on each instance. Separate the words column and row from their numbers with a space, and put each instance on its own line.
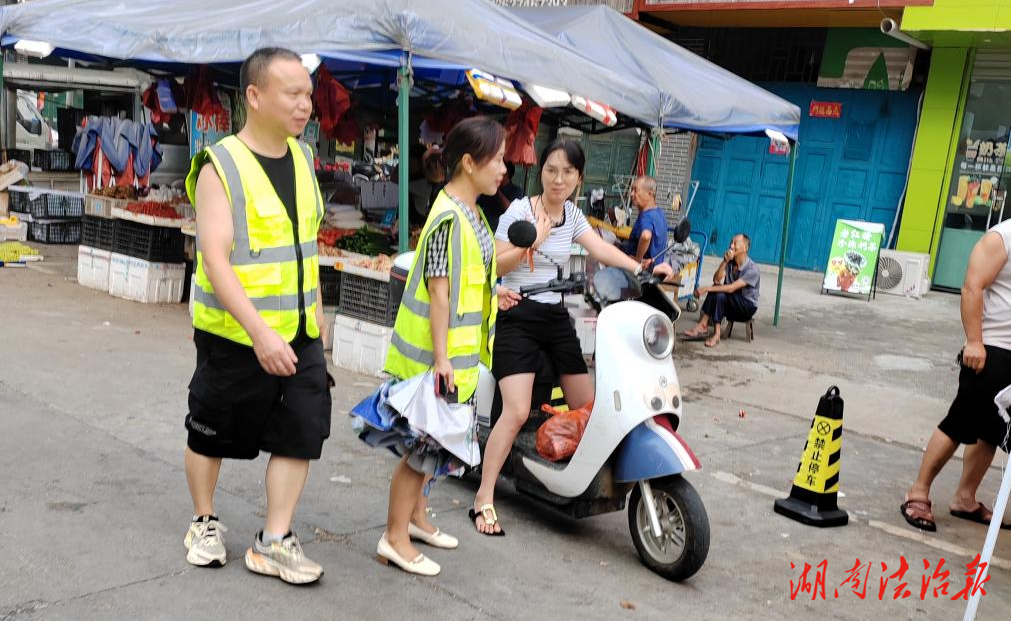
column 474, row 33
column 694, row 93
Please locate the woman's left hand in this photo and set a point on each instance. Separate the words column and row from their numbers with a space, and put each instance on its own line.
column 508, row 298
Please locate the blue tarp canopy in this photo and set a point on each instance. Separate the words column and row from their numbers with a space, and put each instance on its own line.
column 695, row 94
column 474, row 33
column 590, row 51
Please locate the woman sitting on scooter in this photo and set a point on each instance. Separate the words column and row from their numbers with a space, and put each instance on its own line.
column 527, row 327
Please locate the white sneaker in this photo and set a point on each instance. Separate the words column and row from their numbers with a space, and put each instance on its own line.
column 204, row 543
column 284, row 559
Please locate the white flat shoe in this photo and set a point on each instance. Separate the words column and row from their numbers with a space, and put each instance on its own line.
column 437, row 539
column 422, row 565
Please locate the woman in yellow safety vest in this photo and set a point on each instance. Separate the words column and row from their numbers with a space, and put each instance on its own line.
column 445, row 324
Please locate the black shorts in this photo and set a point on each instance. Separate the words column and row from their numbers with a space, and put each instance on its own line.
column 529, row 328
column 237, row 409
column 973, row 415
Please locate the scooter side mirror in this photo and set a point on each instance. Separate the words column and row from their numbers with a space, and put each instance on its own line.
column 681, row 232
column 522, row 234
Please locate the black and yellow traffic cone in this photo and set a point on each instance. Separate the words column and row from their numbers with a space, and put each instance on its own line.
column 813, row 495
column 558, row 400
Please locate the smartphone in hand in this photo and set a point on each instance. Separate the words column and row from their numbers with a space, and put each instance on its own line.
column 441, row 390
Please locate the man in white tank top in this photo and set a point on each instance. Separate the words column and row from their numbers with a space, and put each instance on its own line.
column 984, row 372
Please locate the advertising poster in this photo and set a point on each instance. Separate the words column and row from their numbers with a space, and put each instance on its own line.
column 981, row 164
column 853, row 258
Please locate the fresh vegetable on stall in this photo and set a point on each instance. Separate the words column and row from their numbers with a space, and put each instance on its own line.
column 11, row 252
column 364, row 241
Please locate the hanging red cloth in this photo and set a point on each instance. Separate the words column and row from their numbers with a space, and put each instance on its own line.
column 446, row 116
column 641, row 158
column 150, row 101
column 159, row 95
column 201, row 96
column 521, row 130
column 347, row 130
column 331, row 100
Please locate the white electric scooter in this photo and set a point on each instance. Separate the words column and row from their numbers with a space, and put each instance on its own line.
column 631, row 447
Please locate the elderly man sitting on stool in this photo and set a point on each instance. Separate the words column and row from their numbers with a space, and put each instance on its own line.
column 734, row 294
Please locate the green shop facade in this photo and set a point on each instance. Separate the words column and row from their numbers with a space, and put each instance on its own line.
column 959, row 184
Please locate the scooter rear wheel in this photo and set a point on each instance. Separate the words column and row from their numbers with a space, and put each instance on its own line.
column 681, row 549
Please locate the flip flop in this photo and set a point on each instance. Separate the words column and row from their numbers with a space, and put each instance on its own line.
column 920, row 523
column 976, row 516
column 687, row 338
column 489, row 521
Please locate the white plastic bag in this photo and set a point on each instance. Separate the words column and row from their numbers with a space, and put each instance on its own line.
column 452, row 425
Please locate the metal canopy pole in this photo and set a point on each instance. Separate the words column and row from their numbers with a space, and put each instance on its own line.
column 403, row 97
column 783, row 237
column 654, row 145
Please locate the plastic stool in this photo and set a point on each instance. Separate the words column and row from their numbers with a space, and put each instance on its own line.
column 749, row 330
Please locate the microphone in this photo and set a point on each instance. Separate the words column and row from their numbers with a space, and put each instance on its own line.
column 522, row 234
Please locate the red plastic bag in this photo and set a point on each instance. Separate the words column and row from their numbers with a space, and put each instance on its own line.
column 559, row 436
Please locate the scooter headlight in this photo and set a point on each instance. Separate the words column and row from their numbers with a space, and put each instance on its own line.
column 658, row 336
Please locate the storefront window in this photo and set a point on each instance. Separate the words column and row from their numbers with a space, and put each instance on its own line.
column 978, row 191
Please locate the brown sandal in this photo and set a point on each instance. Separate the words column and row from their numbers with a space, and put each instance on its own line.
column 977, row 515
column 923, row 521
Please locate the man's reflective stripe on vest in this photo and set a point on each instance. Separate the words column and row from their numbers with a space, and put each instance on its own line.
column 242, row 253
column 420, row 308
column 275, row 303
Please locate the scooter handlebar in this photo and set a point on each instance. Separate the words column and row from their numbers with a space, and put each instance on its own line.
column 573, row 284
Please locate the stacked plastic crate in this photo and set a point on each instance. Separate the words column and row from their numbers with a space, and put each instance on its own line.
column 98, row 231
column 53, row 216
column 367, row 301
column 148, row 263
column 130, row 256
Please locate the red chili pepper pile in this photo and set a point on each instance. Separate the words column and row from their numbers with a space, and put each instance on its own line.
column 156, row 210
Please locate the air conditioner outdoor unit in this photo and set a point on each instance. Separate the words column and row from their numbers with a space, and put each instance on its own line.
column 903, row 273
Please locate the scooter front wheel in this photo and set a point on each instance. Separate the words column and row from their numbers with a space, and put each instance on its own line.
column 681, row 549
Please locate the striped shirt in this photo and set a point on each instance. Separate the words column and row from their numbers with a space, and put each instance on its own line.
column 557, row 247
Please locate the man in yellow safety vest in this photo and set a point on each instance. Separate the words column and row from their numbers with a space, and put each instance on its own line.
column 261, row 380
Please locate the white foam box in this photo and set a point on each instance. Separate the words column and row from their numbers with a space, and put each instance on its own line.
column 135, row 279
column 360, row 346
column 329, row 315
column 93, row 268
column 586, row 329
column 14, row 233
